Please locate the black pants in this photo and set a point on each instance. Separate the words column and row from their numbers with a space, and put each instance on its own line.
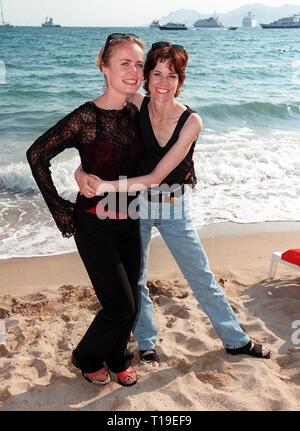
column 110, row 251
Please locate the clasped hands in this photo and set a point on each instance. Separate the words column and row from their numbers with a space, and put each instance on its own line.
column 89, row 185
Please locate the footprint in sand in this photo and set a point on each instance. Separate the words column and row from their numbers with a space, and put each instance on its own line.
column 170, row 321
column 167, row 289
column 40, row 367
column 15, row 338
column 4, row 352
column 4, row 313
column 63, row 345
column 289, row 360
column 65, row 317
column 216, row 379
column 179, row 337
column 35, row 297
column 178, row 311
column 194, row 344
column 210, row 361
column 183, row 365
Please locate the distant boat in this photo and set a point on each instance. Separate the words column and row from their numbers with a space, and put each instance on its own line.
column 173, row 26
column 49, row 23
column 289, row 22
column 212, row 22
column 249, row 20
column 232, row 28
column 4, row 24
column 154, row 24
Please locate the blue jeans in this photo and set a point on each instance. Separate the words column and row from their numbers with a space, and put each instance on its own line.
column 174, row 222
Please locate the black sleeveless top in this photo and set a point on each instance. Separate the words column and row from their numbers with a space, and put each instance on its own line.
column 184, row 173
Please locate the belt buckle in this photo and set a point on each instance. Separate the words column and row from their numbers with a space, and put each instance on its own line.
column 168, row 199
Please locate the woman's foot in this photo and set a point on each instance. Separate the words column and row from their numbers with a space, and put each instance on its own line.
column 251, row 349
column 150, row 357
column 127, row 377
column 101, row 377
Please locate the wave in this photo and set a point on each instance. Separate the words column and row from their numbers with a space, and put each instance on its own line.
column 17, row 177
column 34, row 93
column 252, row 110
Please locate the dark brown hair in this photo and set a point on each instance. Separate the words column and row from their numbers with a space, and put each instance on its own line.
column 177, row 57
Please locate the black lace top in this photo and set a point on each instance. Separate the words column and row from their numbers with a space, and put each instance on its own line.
column 109, row 145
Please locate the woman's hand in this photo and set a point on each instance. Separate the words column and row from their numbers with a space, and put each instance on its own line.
column 87, row 183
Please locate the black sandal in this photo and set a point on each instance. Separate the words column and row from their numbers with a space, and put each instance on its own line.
column 149, row 356
column 255, row 351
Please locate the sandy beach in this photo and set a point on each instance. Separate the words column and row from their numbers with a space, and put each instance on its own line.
column 46, row 305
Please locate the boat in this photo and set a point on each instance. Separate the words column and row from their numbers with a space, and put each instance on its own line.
column 173, row 26
column 4, row 24
column 250, row 20
column 154, row 23
column 232, row 28
column 212, row 22
column 288, row 22
column 50, row 23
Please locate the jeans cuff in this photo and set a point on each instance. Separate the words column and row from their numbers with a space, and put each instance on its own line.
column 237, row 346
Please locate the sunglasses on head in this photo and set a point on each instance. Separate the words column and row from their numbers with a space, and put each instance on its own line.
column 115, row 36
column 162, row 44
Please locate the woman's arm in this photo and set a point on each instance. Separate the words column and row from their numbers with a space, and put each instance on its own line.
column 65, row 134
column 168, row 163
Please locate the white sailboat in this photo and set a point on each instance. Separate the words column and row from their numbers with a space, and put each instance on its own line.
column 4, row 24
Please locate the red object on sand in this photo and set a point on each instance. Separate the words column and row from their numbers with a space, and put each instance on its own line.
column 292, row 256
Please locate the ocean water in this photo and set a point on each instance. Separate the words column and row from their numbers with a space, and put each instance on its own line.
column 245, row 84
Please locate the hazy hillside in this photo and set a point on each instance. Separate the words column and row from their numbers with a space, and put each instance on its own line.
column 185, row 16
column 264, row 14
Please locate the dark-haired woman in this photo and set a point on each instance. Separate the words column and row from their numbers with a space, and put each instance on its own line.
column 169, row 131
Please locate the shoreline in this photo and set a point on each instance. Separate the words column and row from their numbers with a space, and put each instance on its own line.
column 209, row 231
column 247, row 245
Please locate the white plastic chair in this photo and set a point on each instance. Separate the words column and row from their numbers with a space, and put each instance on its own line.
column 275, row 259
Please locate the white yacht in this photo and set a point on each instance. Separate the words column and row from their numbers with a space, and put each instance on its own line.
column 50, row 23
column 154, row 24
column 250, row 20
column 212, row 22
column 173, row 26
column 289, row 22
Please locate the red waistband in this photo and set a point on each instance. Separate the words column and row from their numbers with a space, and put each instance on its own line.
column 109, row 214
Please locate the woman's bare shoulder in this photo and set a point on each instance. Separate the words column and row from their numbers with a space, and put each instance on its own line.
column 194, row 121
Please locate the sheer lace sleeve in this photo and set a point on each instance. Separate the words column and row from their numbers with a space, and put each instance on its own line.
column 66, row 133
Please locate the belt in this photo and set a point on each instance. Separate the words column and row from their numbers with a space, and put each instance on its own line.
column 98, row 210
column 164, row 197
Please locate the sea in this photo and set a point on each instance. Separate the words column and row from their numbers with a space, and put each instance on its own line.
column 245, row 85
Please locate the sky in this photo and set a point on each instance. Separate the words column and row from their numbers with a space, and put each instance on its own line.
column 105, row 13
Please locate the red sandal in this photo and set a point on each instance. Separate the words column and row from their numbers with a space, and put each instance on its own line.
column 101, row 377
column 127, row 377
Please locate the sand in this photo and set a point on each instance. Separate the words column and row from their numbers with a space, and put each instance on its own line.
column 47, row 303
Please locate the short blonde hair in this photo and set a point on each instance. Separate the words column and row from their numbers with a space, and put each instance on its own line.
column 104, row 60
